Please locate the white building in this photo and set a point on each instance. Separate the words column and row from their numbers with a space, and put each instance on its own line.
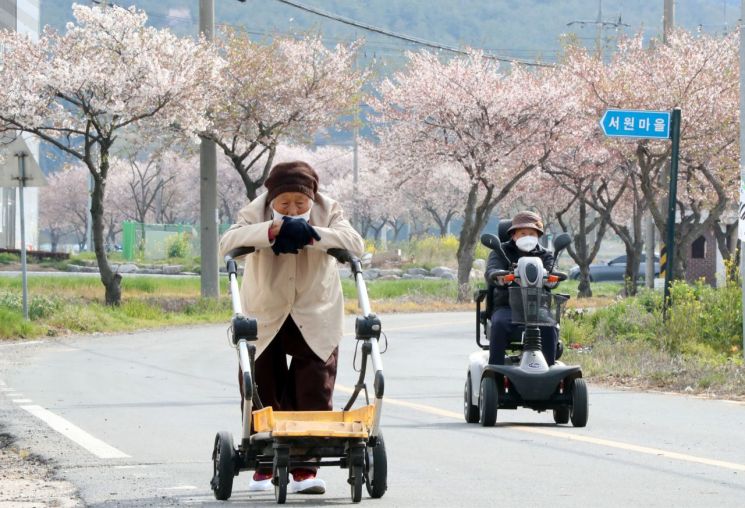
column 22, row 16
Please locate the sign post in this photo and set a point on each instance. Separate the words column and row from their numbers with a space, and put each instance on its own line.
column 28, row 175
column 671, row 203
column 21, row 184
column 629, row 123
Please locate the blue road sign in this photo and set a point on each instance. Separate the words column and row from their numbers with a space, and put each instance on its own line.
column 627, row 123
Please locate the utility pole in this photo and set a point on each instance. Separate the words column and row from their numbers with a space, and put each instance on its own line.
column 742, row 166
column 668, row 21
column 209, row 216
column 600, row 26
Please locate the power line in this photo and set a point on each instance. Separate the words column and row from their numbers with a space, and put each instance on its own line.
column 403, row 37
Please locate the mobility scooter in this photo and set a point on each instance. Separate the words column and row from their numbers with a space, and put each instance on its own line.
column 525, row 379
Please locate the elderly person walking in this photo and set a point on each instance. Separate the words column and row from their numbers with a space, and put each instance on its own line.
column 292, row 287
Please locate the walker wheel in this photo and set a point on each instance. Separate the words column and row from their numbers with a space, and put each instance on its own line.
column 282, row 476
column 376, row 465
column 223, row 466
column 356, row 472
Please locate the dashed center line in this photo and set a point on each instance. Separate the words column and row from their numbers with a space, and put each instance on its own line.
column 424, row 408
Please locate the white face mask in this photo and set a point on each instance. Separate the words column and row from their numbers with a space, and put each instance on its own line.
column 526, row 243
column 278, row 216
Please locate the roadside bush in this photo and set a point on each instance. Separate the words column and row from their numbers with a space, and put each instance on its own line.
column 178, row 246
column 39, row 307
column 702, row 321
column 13, row 326
column 7, row 258
column 431, row 251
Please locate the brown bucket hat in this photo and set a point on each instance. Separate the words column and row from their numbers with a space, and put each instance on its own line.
column 527, row 219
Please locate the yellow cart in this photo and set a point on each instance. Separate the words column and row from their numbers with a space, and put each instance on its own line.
column 350, row 438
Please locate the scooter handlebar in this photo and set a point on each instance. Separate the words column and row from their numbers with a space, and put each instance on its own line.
column 499, row 273
column 562, row 276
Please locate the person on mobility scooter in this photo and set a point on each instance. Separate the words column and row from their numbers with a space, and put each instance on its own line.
column 291, row 287
column 526, row 229
column 524, row 317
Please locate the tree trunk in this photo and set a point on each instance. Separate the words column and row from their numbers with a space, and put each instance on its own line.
column 632, row 270
column 584, row 290
column 475, row 217
column 581, row 251
column 110, row 280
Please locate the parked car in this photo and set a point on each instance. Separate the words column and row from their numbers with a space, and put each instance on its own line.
column 614, row 270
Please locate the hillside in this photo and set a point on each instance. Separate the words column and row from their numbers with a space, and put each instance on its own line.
column 515, row 28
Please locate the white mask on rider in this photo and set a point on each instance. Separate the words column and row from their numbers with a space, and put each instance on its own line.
column 278, row 216
column 526, row 243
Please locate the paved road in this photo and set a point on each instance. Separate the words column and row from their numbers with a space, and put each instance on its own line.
column 146, row 406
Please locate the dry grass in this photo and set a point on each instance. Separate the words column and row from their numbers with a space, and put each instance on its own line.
column 632, row 364
column 403, row 305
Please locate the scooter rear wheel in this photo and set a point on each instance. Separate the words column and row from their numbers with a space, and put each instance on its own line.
column 580, row 403
column 470, row 411
column 488, row 400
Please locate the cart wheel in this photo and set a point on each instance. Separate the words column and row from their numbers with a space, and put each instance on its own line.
column 561, row 415
column 223, row 466
column 488, row 402
column 282, row 476
column 470, row 411
column 580, row 404
column 356, row 472
column 376, row 467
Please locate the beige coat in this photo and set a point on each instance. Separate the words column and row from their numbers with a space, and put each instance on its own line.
column 305, row 286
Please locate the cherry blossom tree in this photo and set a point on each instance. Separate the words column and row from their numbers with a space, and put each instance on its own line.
column 107, row 74
column 495, row 127
column 286, row 90
column 440, row 192
column 63, row 204
column 699, row 74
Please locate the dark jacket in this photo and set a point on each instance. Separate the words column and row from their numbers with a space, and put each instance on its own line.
column 495, row 262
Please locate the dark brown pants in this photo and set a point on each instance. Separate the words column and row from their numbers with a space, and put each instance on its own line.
column 306, row 385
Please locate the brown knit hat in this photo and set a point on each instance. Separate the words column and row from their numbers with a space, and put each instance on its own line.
column 295, row 176
column 527, row 219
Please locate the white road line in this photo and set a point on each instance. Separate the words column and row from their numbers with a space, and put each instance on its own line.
column 571, row 437
column 21, row 401
column 180, row 487
column 25, row 343
column 2, row 383
column 75, row 433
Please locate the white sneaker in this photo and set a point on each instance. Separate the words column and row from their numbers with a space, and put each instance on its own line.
column 310, row 485
column 260, row 485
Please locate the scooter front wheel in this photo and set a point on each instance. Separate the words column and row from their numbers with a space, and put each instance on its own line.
column 488, row 400
column 561, row 415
